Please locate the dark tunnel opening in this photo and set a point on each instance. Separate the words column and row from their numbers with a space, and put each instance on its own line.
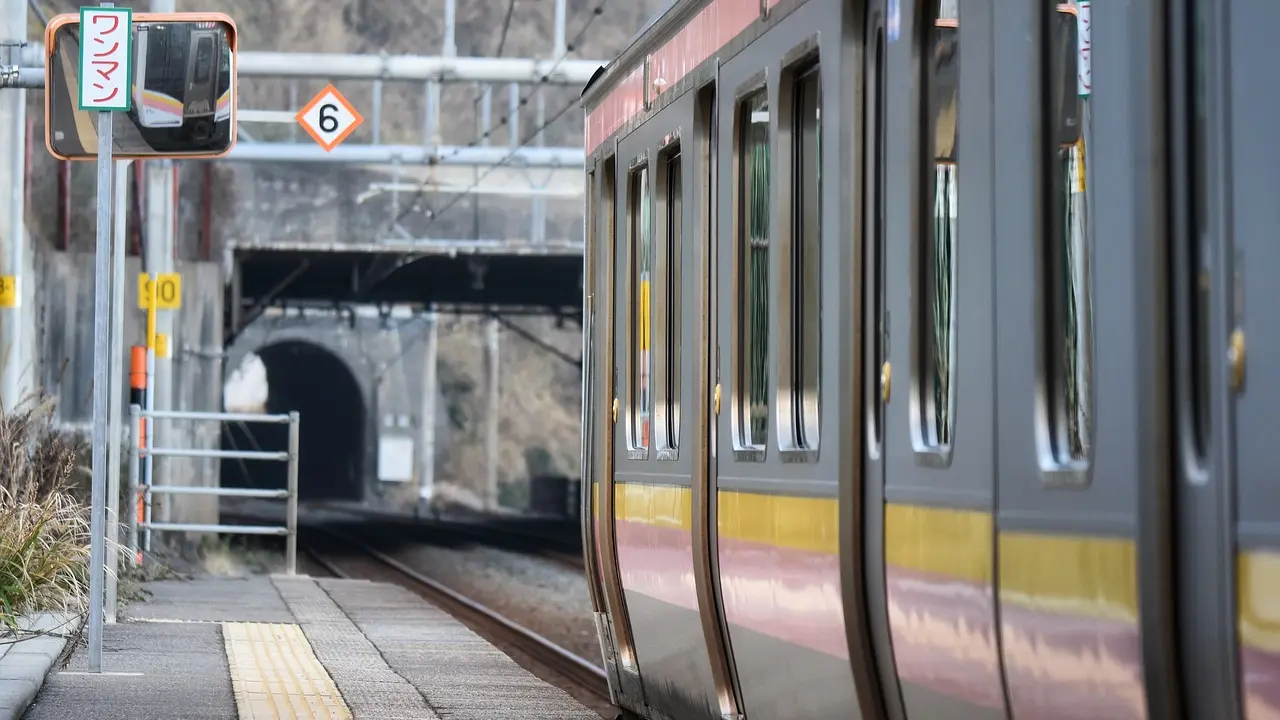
column 317, row 385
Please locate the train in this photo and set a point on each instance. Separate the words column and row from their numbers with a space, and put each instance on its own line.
column 192, row 89
column 861, row 440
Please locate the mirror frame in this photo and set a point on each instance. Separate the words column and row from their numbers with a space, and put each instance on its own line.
column 74, row 19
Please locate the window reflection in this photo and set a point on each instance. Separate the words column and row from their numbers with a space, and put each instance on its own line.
column 753, row 232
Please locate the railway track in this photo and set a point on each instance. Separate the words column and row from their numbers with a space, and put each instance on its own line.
column 481, row 619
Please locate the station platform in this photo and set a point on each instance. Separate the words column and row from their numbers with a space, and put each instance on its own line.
column 294, row 647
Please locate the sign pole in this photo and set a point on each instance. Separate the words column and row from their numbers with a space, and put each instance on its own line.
column 148, row 422
column 120, row 200
column 101, row 29
column 101, row 359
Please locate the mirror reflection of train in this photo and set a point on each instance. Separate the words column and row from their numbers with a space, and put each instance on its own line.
column 182, row 77
column 182, row 80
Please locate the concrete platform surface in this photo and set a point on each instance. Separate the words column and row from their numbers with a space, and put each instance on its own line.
column 27, row 655
column 294, row 647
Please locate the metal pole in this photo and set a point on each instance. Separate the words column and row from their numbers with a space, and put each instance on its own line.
column 160, row 253
column 150, row 438
column 450, row 48
column 427, row 487
column 121, row 192
column 559, row 49
column 377, row 112
column 101, row 358
column 13, row 103
column 538, row 233
column 135, row 424
column 491, row 436
column 291, row 513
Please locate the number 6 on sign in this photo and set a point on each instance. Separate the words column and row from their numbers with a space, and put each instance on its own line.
column 329, row 118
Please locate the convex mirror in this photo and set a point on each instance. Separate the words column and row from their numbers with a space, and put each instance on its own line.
column 170, row 78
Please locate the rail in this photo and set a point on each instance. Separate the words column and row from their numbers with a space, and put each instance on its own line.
column 137, row 451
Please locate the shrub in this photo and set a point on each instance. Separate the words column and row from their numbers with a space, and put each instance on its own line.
column 44, row 526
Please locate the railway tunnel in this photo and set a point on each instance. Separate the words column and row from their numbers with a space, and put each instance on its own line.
column 318, row 385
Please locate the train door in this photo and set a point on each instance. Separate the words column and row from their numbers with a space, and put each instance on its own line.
column 1199, row 467
column 863, row 569
column 614, row 628
column 779, row 297
column 1249, row 342
column 595, row 414
column 939, row 439
column 1069, row 355
column 1229, row 360
column 663, row 511
column 706, row 172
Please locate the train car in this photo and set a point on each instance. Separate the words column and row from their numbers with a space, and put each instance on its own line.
column 199, row 90
column 861, row 440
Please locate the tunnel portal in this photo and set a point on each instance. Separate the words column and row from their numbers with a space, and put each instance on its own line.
column 319, row 386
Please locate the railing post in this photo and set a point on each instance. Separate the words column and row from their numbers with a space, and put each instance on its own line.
column 135, row 437
column 291, row 514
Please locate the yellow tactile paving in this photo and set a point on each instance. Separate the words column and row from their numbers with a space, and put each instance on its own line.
column 276, row 676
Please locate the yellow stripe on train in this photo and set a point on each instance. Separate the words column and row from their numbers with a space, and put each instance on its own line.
column 645, row 316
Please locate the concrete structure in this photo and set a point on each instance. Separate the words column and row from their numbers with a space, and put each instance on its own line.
column 26, row 659
column 357, row 381
column 231, row 647
column 17, row 362
column 64, row 309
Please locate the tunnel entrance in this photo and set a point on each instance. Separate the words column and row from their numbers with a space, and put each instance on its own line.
column 319, row 386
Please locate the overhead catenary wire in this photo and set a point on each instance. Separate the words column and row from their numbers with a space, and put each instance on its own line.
column 542, row 82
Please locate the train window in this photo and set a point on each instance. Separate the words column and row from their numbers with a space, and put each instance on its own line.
column 874, row 253
column 805, row 263
column 1199, row 260
column 753, row 271
column 639, row 222
column 1067, row 251
column 204, row 60
column 938, row 229
column 609, row 246
column 671, row 332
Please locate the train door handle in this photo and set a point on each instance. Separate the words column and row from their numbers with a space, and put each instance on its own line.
column 716, row 408
column 1235, row 359
column 886, row 380
column 615, row 411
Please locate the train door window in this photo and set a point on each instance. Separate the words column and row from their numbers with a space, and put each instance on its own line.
column 204, row 60
column 1199, row 260
column 673, row 205
column 1066, row 252
column 753, row 271
column 609, row 240
column 805, row 276
column 639, row 214
column 874, row 251
column 938, row 230
column 593, row 222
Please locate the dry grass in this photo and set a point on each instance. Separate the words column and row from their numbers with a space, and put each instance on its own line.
column 44, row 525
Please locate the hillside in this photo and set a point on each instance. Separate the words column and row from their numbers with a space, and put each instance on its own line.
column 540, row 394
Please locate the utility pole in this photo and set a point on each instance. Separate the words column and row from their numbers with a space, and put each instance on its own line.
column 430, row 390
column 158, row 258
column 14, row 353
column 491, row 417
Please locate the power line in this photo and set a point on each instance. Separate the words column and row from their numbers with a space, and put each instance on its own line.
column 596, row 12
column 506, row 25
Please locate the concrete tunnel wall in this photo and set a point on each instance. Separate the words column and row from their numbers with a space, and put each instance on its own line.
column 308, row 379
column 383, row 361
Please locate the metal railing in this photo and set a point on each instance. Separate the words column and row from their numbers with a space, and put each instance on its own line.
column 137, row 452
